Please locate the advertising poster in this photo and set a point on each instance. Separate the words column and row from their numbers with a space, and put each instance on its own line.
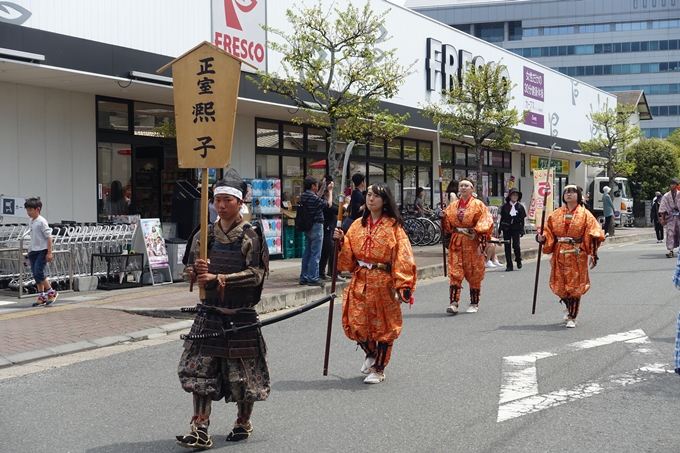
column 154, row 243
column 541, row 186
column 534, row 96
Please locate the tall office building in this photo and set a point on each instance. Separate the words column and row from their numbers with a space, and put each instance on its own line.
column 615, row 45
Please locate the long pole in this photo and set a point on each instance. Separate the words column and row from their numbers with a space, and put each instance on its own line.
column 341, row 202
column 548, row 189
column 204, row 221
column 441, row 195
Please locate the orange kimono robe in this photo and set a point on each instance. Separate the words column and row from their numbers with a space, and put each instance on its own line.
column 466, row 260
column 569, row 276
column 369, row 309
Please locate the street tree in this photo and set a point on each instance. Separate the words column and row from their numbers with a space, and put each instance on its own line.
column 674, row 139
column 477, row 109
column 654, row 163
column 335, row 72
column 612, row 132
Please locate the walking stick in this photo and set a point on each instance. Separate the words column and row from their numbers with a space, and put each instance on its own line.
column 441, row 196
column 341, row 201
column 548, row 189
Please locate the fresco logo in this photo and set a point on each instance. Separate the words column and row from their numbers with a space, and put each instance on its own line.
column 245, row 6
column 13, row 13
column 8, row 207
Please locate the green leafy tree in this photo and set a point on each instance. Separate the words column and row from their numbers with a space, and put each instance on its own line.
column 335, row 73
column 478, row 109
column 674, row 139
column 612, row 134
column 167, row 129
column 655, row 163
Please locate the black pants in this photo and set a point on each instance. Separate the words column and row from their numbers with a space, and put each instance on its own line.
column 327, row 254
column 512, row 235
column 607, row 223
column 658, row 229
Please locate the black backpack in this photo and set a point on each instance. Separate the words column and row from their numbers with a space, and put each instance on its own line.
column 303, row 221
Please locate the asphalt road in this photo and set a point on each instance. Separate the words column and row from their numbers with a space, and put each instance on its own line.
column 501, row 380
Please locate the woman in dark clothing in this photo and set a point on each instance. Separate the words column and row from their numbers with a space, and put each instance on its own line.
column 658, row 228
column 357, row 201
column 512, row 226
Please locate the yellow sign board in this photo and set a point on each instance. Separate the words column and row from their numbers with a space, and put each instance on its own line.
column 205, row 82
column 558, row 165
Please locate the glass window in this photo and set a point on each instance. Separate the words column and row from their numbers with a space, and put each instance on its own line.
column 545, row 51
column 292, row 177
column 625, row 69
column 580, row 70
column 491, row 31
column 590, row 70
column 580, row 50
column 410, row 150
column 673, row 88
column 644, row 68
column 316, row 140
column 656, row 45
column 571, row 71
column 553, row 51
column 563, row 50
column 425, row 180
column 672, row 65
column 663, row 67
column 377, row 148
column 393, row 180
column 654, row 110
column 266, row 166
column 460, row 157
column 597, row 48
column 507, row 160
column 672, row 110
column 114, row 177
column 644, row 46
column 535, row 51
column 359, row 150
column 497, row 158
column 293, row 137
column 113, row 115
column 635, row 46
column 672, row 44
column 394, row 149
column 267, row 135
column 570, row 50
column 607, row 69
column 625, row 47
column 526, row 52
column 617, row 47
column 635, row 69
column 616, row 69
column 425, row 151
column 607, row 48
column 515, row 30
column 529, row 32
column 446, row 154
column 149, row 117
column 409, row 185
column 598, row 70
column 663, row 110
column 471, row 159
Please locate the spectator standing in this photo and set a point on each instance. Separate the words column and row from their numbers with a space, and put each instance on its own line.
column 452, row 191
column 607, row 209
column 330, row 222
column 669, row 213
column 314, row 204
column 418, row 204
column 357, row 201
column 117, row 203
column 491, row 257
column 512, row 226
column 658, row 228
column 40, row 251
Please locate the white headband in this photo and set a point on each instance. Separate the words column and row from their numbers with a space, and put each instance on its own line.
column 226, row 190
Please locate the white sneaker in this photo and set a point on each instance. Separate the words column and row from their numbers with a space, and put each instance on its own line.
column 489, row 264
column 472, row 309
column 453, row 309
column 571, row 324
column 374, row 378
column 497, row 263
column 368, row 363
column 565, row 319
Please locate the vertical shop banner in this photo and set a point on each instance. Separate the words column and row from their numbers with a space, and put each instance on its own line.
column 205, row 85
column 534, row 95
column 540, row 188
column 237, row 29
column 154, row 243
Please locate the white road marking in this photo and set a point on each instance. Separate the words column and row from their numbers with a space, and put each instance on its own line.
column 6, row 302
column 519, row 385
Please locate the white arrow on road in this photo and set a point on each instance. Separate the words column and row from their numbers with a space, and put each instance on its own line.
column 519, row 386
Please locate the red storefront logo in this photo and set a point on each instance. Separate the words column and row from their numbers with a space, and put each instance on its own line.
column 245, row 6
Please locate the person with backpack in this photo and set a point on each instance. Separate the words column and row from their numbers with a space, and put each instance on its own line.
column 313, row 205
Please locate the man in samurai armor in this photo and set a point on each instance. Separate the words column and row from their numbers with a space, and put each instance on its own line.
column 219, row 362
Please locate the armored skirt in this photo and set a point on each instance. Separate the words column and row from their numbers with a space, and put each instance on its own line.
column 235, row 367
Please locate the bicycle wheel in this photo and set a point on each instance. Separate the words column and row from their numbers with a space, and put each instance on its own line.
column 414, row 231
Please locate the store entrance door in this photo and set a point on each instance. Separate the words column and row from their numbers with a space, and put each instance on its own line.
column 146, row 195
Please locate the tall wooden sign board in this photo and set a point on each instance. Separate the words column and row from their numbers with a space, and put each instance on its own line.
column 205, row 83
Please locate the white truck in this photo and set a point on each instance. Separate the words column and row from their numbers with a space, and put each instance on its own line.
column 622, row 196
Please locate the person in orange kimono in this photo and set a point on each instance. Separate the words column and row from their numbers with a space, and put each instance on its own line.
column 378, row 253
column 573, row 236
column 471, row 225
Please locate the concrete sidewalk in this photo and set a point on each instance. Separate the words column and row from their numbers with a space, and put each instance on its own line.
column 81, row 321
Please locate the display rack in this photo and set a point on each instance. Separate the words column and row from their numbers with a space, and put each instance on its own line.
column 169, row 178
column 264, row 202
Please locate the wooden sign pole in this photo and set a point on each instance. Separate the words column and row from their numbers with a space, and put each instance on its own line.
column 204, row 220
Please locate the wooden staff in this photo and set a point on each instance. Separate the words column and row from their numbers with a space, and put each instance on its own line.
column 204, row 221
column 442, row 206
column 341, row 201
column 548, row 189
